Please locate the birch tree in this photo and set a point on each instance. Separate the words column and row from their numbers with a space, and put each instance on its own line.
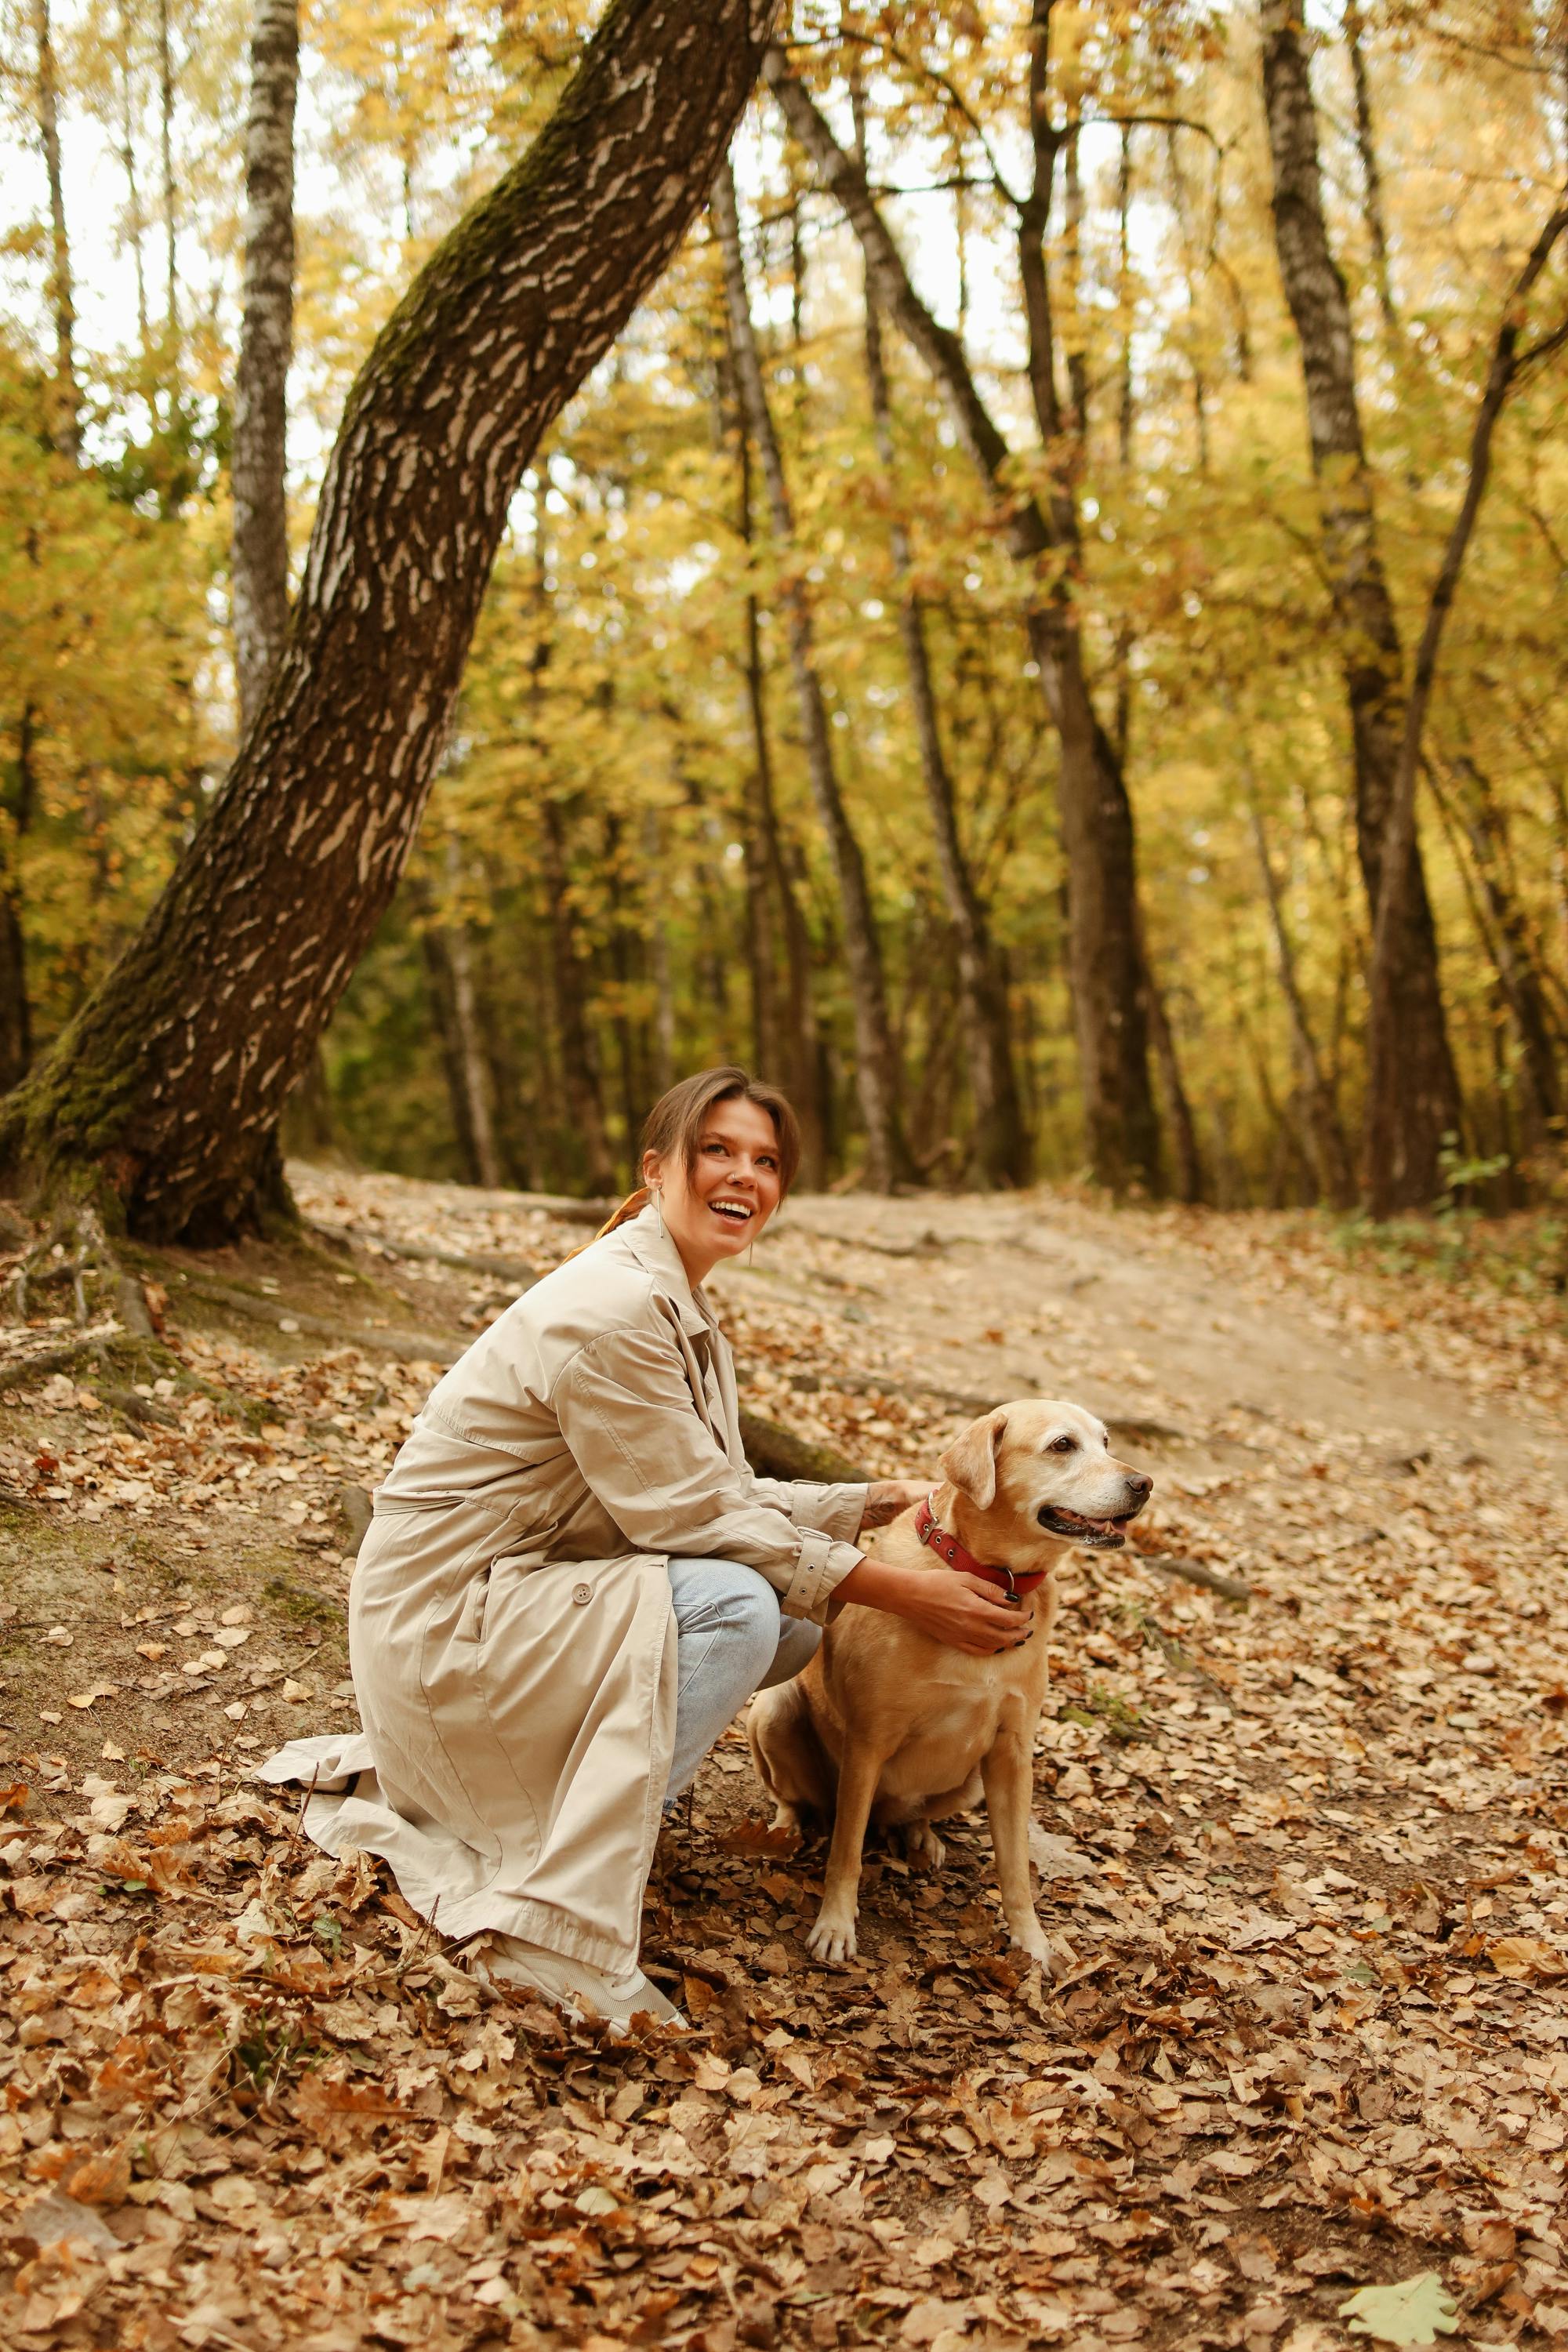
column 261, row 551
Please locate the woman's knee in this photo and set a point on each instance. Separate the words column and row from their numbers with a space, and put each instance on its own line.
column 723, row 1597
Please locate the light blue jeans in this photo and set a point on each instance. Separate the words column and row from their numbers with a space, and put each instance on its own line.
column 733, row 1639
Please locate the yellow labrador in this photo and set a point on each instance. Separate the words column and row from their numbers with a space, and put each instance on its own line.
column 887, row 1724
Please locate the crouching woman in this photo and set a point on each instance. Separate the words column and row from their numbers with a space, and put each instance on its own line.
column 572, row 1582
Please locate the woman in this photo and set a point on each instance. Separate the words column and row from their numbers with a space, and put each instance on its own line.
column 572, row 1582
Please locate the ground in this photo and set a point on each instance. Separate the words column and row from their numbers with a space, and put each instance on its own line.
column 1300, row 1855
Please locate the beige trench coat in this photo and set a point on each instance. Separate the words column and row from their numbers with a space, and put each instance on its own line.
column 510, row 1631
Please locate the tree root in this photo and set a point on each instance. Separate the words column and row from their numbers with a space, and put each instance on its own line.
column 776, row 1453
column 502, row 1269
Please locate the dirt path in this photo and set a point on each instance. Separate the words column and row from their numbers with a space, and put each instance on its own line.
column 1301, row 1861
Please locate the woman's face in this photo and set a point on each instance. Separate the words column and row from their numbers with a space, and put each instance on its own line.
column 729, row 1196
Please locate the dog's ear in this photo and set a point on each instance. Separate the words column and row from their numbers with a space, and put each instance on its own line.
column 970, row 1461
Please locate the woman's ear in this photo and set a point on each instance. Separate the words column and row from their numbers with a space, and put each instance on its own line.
column 651, row 1165
column 970, row 1461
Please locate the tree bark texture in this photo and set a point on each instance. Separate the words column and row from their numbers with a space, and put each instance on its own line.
column 999, row 1148
column 1422, row 1104
column 165, row 1089
column 260, row 557
column 67, row 399
column 876, row 1060
column 1095, row 814
column 16, row 1007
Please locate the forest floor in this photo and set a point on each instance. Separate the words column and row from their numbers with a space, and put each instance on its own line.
column 1302, row 1857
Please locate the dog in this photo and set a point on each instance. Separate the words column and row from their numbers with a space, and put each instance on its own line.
column 890, row 1726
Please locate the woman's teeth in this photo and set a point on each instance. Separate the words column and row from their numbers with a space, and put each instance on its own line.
column 734, row 1212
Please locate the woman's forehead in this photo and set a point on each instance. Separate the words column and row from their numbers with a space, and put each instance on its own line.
column 740, row 1122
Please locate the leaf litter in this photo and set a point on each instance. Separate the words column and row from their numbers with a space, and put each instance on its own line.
column 1303, row 2044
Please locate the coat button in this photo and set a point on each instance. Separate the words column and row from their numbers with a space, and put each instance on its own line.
column 581, row 1592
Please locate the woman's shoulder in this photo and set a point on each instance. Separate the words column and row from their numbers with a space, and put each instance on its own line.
column 620, row 1281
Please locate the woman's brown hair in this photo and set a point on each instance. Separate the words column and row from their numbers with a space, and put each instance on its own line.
column 674, row 1127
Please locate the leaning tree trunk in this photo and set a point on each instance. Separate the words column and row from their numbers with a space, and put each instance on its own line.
column 67, row 398
column 999, row 1151
column 260, row 557
column 1423, row 1102
column 164, row 1092
column 876, row 1061
column 1095, row 816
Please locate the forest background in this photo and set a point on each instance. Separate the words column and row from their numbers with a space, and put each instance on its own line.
column 761, row 750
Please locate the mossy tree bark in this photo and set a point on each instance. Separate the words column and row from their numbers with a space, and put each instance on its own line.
column 163, row 1097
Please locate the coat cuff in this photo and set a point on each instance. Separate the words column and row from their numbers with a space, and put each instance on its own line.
column 834, row 1510
column 821, row 1569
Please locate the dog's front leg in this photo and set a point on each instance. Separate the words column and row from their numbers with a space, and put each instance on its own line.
column 1008, row 1778
column 833, row 1937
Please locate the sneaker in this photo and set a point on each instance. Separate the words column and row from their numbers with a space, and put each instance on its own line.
column 574, row 1985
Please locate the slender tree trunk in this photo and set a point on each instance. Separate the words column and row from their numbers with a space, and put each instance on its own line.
column 1095, row 814
column 876, row 1067
column 164, row 1092
column 468, row 1024
column 757, row 823
column 166, row 157
column 663, row 973
column 1331, row 1153
column 579, row 1054
column 65, row 396
column 16, row 1008
column 444, row 1020
column 133, row 187
column 1372, row 178
column 260, row 559
column 1474, row 813
column 999, row 1148
column 1385, row 1041
column 1414, row 1098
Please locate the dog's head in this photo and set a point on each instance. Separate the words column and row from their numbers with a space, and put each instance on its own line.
column 1041, row 1473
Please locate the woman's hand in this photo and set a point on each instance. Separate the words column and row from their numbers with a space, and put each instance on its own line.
column 885, row 1497
column 964, row 1612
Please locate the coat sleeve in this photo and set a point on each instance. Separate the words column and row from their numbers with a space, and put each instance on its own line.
column 836, row 1510
column 626, row 1413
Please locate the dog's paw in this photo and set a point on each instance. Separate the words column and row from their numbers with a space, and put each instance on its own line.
column 832, row 1939
column 923, row 1845
column 1032, row 1939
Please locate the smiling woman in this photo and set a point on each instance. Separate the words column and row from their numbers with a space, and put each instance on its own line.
column 573, row 1581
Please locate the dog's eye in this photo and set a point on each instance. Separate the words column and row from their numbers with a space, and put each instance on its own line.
column 1062, row 1445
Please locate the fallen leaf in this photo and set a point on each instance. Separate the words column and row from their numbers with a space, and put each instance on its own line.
column 1413, row 2311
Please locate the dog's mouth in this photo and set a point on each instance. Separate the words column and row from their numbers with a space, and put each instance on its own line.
column 1096, row 1535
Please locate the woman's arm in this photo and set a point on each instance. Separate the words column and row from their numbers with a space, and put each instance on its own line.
column 963, row 1610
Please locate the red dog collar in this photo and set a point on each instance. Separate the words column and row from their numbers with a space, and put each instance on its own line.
column 948, row 1547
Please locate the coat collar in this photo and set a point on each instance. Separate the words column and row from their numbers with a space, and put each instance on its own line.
column 646, row 1238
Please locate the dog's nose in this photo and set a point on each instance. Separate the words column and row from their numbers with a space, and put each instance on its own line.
column 1139, row 1482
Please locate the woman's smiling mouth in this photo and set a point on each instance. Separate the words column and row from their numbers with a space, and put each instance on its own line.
column 733, row 1213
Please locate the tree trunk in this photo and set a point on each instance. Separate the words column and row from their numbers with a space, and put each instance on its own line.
column 1422, row 1106
column 1386, row 1042
column 999, row 1148
column 167, row 155
column 132, row 189
column 168, row 1085
column 1095, row 814
column 1372, row 178
column 66, row 401
column 875, row 1066
column 467, row 1025
column 579, row 1055
column 15, row 1009
column 1472, row 808
column 1331, row 1153
column 260, row 560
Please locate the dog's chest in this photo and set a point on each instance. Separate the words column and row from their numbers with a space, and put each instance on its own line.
column 951, row 1728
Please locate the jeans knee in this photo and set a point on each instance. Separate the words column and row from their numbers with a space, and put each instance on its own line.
column 751, row 1616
